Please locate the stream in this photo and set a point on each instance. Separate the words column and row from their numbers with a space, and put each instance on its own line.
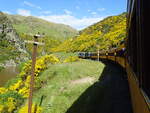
column 7, row 74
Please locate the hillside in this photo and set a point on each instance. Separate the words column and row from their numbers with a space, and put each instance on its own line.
column 59, row 80
column 105, row 34
column 11, row 46
column 32, row 25
column 23, row 28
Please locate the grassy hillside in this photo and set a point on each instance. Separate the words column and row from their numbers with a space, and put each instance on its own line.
column 42, row 49
column 103, row 35
column 54, row 34
column 64, row 83
column 33, row 25
column 58, row 83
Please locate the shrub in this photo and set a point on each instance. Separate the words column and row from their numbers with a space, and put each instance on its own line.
column 24, row 109
column 16, row 90
column 71, row 59
column 9, row 101
column 12, row 82
column 3, row 90
column 41, row 64
column 1, row 68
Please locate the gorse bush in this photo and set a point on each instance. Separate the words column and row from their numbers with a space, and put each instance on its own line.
column 17, row 90
column 71, row 59
column 104, row 34
column 24, row 109
column 9, row 101
column 3, row 90
column 41, row 64
column 12, row 81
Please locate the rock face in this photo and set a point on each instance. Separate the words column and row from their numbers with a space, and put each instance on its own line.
column 10, row 42
column 10, row 34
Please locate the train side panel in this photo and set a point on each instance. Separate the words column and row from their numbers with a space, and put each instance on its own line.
column 139, row 104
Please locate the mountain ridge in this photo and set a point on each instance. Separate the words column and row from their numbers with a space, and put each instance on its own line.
column 32, row 24
column 102, row 35
column 15, row 29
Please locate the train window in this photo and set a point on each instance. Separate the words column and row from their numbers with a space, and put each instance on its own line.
column 133, row 42
column 120, row 53
column 145, row 56
column 138, row 42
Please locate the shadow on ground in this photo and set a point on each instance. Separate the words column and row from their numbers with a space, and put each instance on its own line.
column 108, row 95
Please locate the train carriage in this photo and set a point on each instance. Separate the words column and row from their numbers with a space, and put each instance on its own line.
column 137, row 55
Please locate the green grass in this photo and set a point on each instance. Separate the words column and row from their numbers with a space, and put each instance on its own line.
column 58, row 91
column 63, row 55
column 1, row 68
column 20, row 66
column 33, row 25
column 7, row 54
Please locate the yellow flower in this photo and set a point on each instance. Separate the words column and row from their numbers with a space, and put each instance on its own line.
column 11, row 104
column 41, row 64
column 3, row 90
column 24, row 91
column 71, row 59
column 27, row 81
column 1, row 108
column 24, row 109
column 16, row 85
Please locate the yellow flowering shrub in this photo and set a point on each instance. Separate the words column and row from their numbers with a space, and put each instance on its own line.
column 27, row 81
column 1, row 108
column 12, row 96
column 41, row 64
column 24, row 91
column 71, row 59
column 24, row 109
column 26, row 69
column 9, row 101
column 3, row 90
column 11, row 104
column 16, row 86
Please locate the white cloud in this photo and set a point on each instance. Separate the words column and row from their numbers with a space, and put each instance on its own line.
column 23, row 12
column 8, row 12
column 67, row 12
column 101, row 9
column 31, row 5
column 94, row 13
column 46, row 12
column 77, row 7
column 89, row 10
column 78, row 23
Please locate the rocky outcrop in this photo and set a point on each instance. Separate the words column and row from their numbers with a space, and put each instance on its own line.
column 10, row 34
column 10, row 41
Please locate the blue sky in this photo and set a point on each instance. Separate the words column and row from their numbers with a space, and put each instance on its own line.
column 76, row 13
